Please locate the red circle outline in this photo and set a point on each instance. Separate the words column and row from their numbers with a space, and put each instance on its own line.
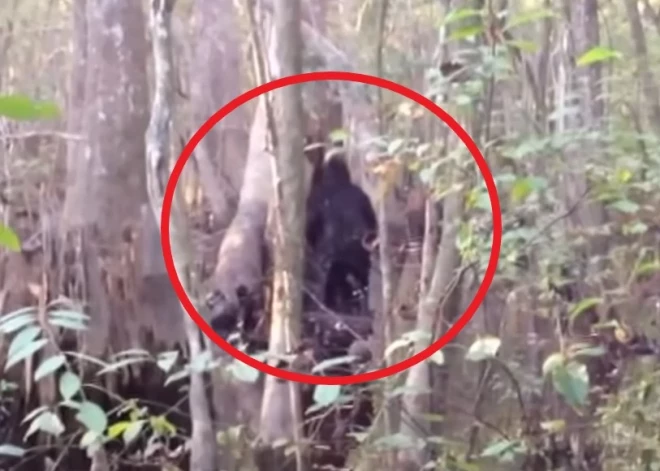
column 460, row 323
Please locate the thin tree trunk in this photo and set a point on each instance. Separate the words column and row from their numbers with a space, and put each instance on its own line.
column 203, row 444
column 289, row 231
column 649, row 84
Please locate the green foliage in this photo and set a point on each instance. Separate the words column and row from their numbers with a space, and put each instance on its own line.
column 21, row 107
column 9, row 239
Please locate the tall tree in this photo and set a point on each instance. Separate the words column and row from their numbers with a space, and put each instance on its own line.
column 281, row 410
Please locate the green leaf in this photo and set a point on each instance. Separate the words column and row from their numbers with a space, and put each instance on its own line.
column 571, row 380
column 20, row 107
column 7, row 449
column 467, row 32
column 118, row 428
column 24, row 337
column 528, row 17
column 648, row 268
column 25, row 352
column 69, row 385
column 625, row 206
column 325, row 395
column 396, row 345
column 92, row 417
column 635, row 228
column 332, row 362
column 89, row 438
column 67, row 323
column 597, row 54
column 132, row 353
column 460, row 14
column 47, row 422
column 17, row 322
column 462, row 99
column 70, row 315
column 133, row 430
column 9, row 239
column 552, row 362
column 120, row 364
column 521, row 189
column 417, row 335
column 243, row 372
column 395, row 146
column 597, row 351
column 338, row 135
column 499, row 448
column 48, row 366
column 583, row 305
column 166, row 360
column 483, row 349
column 33, row 413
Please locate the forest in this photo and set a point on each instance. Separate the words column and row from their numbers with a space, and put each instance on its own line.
column 175, row 247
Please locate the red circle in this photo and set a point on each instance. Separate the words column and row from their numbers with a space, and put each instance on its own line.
column 351, row 77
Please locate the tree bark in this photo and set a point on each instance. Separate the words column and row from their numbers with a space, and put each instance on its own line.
column 649, row 84
column 281, row 409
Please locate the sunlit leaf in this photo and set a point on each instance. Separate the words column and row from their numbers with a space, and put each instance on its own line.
column 9, row 239
column 597, row 54
column 21, row 107
column 116, row 429
column 395, row 146
column 325, row 394
column 553, row 426
column 161, row 425
column 121, row 364
column 67, row 323
column 89, row 438
column 337, row 135
column 583, row 305
column 132, row 431
column 47, row 422
column 70, row 315
column 635, row 228
column 49, row 366
column 467, row 32
column 243, row 372
column 397, row 345
column 7, row 449
column 648, row 268
column 483, row 349
column 553, row 361
column 166, row 360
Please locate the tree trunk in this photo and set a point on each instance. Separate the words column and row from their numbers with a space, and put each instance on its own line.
column 649, row 85
column 281, row 409
column 221, row 154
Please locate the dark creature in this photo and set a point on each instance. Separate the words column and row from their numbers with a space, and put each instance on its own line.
column 341, row 227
